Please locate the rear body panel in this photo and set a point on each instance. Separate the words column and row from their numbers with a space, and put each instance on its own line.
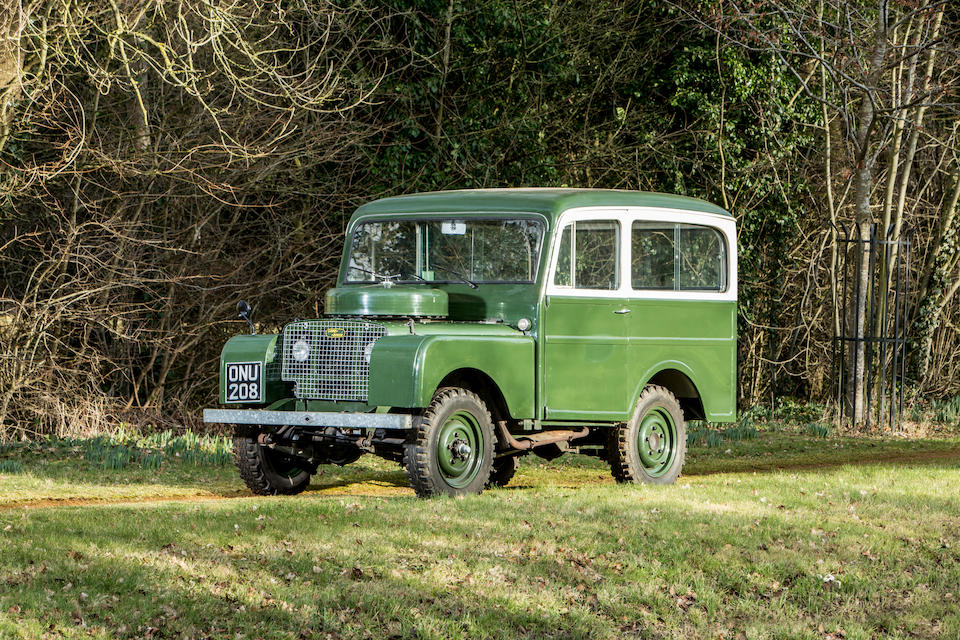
column 697, row 338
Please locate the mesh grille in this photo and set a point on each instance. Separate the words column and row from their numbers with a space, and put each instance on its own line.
column 272, row 370
column 336, row 367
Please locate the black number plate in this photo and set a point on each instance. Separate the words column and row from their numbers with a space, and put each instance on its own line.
column 244, row 382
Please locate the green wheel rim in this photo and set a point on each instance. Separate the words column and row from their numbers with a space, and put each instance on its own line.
column 657, row 441
column 460, row 449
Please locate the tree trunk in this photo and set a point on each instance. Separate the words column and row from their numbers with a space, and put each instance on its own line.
column 862, row 189
column 934, row 290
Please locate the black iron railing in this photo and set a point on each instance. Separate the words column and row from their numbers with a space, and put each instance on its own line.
column 870, row 341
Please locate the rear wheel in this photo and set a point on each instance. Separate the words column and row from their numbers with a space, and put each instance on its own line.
column 503, row 471
column 651, row 447
column 266, row 472
column 450, row 451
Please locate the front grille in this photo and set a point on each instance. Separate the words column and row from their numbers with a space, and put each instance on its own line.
column 272, row 370
column 337, row 366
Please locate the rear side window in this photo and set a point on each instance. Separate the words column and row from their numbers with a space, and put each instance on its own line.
column 677, row 257
column 653, row 260
column 702, row 257
column 589, row 255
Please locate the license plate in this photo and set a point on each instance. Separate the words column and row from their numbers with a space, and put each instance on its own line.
column 244, row 382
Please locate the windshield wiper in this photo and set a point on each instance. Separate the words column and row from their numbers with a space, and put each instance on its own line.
column 460, row 276
column 390, row 278
column 380, row 276
column 410, row 271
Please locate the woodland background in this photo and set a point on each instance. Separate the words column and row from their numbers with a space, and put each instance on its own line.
column 160, row 160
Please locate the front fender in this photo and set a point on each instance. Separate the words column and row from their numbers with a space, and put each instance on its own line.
column 262, row 348
column 405, row 370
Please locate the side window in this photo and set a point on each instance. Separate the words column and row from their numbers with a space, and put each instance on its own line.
column 652, row 255
column 677, row 257
column 589, row 255
column 564, row 275
column 702, row 259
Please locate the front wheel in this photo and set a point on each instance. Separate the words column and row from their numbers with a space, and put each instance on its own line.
column 265, row 471
column 450, row 451
column 652, row 446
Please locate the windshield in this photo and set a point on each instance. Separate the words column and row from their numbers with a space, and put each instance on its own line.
column 446, row 250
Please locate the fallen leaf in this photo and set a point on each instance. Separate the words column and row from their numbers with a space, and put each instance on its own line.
column 686, row 601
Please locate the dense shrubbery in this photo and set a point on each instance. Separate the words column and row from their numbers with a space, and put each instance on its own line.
column 162, row 160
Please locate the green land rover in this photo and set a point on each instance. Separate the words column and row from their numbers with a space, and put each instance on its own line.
column 469, row 328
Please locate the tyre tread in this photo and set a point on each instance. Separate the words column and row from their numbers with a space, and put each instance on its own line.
column 502, row 471
column 246, row 456
column 416, row 453
column 618, row 446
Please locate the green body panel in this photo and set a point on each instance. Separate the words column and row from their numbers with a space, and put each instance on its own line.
column 596, row 362
column 505, row 302
column 697, row 338
column 585, row 359
column 546, row 201
column 490, row 329
column 265, row 349
column 405, row 370
column 376, row 300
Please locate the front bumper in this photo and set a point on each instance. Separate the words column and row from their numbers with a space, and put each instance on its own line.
column 319, row 419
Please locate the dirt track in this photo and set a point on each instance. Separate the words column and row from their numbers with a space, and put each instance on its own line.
column 379, row 488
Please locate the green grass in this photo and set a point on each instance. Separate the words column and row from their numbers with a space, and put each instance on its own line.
column 117, row 467
column 944, row 411
column 734, row 549
column 11, row 466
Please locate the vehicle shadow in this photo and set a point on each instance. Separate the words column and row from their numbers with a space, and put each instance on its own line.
column 368, row 479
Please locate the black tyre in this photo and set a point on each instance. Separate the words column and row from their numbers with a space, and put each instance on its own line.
column 651, row 447
column 450, row 451
column 503, row 471
column 266, row 472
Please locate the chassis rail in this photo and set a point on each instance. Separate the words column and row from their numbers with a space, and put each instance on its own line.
column 320, row 419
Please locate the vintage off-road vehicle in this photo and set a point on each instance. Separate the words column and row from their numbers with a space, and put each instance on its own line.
column 469, row 328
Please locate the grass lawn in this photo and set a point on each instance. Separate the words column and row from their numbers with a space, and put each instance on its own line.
column 863, row 546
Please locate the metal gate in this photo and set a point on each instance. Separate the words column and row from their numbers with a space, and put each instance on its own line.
column 870, row 341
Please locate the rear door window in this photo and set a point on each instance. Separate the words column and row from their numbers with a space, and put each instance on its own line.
column 589, row 255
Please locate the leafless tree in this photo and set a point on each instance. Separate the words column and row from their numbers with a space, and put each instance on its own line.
column 877, row 69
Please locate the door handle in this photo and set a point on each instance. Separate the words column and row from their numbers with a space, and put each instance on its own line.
column 622, row 311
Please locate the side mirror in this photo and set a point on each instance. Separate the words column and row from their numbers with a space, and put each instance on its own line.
column 244, row 310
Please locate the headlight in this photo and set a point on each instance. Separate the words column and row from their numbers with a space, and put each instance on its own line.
column 301, row 350
column 367, row 351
